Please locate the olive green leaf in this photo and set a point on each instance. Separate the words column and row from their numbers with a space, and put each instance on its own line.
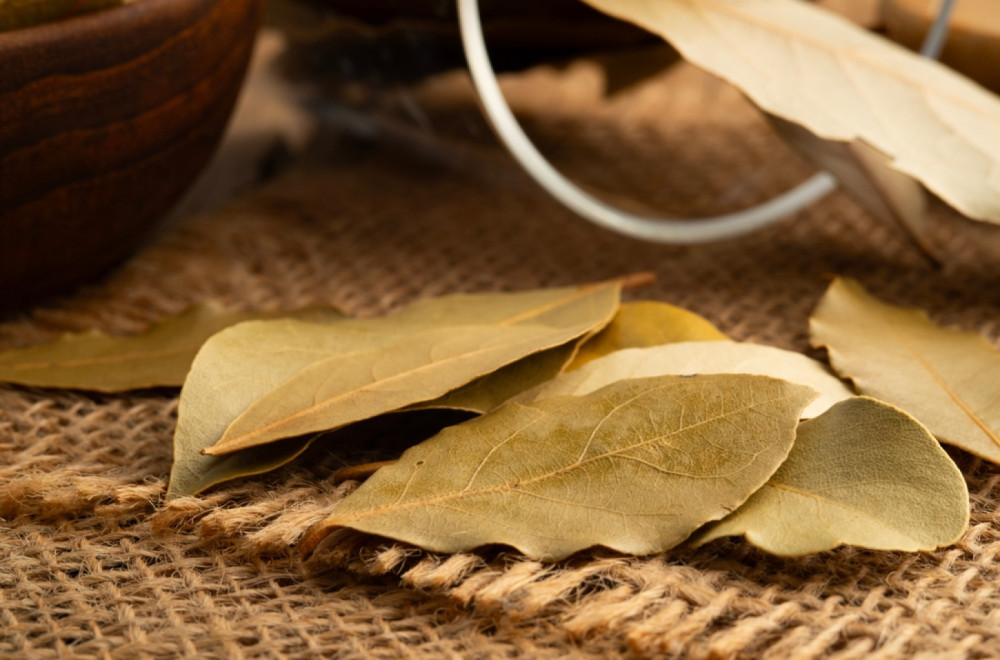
column 864, row 473
column 646, row 323
column 804, row 64
column 159, row 357
column 193, row 472
column 17, row 14
column 947, row 379
column 636, row 466
column 710, row 357
column 332, row 376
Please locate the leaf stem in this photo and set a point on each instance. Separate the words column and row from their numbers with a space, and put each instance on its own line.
column 359, row 472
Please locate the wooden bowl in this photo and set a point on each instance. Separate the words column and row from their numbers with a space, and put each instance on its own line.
column 105, row 120
column 408, row 40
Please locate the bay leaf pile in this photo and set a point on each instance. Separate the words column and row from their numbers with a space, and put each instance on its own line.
column 635, row 426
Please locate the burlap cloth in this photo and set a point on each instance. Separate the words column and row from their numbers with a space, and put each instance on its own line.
column 94, row 564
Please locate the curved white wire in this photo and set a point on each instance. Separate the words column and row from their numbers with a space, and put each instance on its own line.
column 938, row 34
column 659, row 230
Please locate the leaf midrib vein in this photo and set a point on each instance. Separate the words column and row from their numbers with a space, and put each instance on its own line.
column 513, row 320
column 942, row 383
column 551, row 475
column 846, row 507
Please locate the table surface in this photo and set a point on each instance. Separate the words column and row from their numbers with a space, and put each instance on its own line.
column 94, row 564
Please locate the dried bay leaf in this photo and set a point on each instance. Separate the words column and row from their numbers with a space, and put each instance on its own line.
column 193, row 472
column 816, row 69
column 646, row 323
column 947, row 379
column 636, row 325
column 424, row 351
column 159, row 357
column 429, row 349
column 711, row 357
column 387, row 435
column 635, row 466
column 487, row 392
column 864, row 473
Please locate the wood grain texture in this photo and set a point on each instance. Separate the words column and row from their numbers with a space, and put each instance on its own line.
column 105, row 120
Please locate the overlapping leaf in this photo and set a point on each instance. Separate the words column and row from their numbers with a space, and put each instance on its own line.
column 949, row 380
column 192, row 472
column 864, row 473
column 487, row 392
column 159, row 357
column 711, row 357
column 260, row 382
column 808, row 66
column 635, row 466
column 635, row 325
column 647, row 323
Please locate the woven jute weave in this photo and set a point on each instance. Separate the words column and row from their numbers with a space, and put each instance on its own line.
column 94, row 564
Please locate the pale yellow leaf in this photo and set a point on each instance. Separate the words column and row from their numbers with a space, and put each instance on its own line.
column 816, row 69
column 646, row 323
column 864, row 473
column 949, row 380
column 636, row 467
column 159, row 357
column 710, row 357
